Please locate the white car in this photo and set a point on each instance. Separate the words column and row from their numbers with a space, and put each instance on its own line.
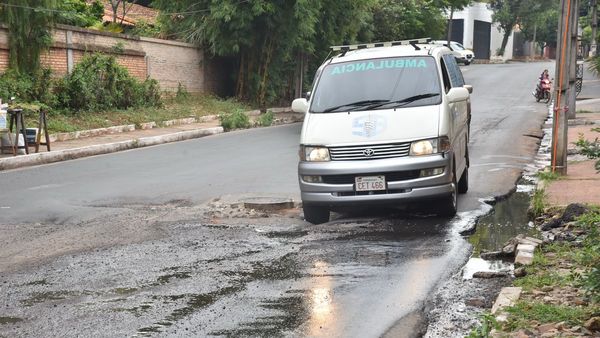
column 385, row 123
column 462, row 54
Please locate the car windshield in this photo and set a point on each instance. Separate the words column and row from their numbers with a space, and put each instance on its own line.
column 377, row 84
column 457, row 46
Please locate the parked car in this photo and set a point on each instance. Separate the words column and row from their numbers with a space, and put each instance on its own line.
column 385, row 123
column 462, row 54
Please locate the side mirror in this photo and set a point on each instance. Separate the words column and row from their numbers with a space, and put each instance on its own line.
column 469, row 88
column 300, row 106
column 458, row 94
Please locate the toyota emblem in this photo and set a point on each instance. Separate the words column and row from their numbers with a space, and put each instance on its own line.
column 369, row 152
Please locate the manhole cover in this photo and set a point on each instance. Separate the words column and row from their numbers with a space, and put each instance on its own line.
column 268, row 203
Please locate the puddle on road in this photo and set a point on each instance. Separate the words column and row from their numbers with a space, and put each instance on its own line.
column 481, row 265
column 507, row 220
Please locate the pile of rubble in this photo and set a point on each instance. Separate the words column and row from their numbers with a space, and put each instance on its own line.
column 556, row 228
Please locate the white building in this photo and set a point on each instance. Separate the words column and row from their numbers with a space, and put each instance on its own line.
column 473, row 28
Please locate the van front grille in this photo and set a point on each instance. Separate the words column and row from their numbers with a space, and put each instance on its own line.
column 389, row 177
column 369, row 152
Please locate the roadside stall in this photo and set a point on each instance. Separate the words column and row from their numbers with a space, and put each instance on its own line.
column 15, row 137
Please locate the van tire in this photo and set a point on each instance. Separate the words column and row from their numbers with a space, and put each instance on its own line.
column 463, row 183
column 316, row 214
column 448, row 206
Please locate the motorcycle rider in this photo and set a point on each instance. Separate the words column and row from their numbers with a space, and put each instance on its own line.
column 544, row 76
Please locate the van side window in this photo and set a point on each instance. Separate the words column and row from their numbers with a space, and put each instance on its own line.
column 447, row 84
column 454, row 72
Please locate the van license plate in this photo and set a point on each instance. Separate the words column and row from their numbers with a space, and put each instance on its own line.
column 370, row 183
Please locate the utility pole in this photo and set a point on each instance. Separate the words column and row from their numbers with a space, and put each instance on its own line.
column 565, row 73
column 594, row 47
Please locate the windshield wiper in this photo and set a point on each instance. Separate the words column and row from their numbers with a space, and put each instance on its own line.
column 354, row 105
column 399, row 103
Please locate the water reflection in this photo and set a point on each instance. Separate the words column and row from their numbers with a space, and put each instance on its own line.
column 507, row 220
column 480, row 265
column 322, row 309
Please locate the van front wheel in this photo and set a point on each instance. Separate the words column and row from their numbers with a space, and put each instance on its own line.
column 448, row 205
column 316, row 214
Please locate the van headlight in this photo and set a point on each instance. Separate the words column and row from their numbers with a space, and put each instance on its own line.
column 314, row 154
column 431, row 146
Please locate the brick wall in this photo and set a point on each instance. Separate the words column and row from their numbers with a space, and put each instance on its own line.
column 169, row 62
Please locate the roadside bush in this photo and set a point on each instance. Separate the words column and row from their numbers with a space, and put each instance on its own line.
column 28, row 87
column 591, row 149
column 266, row 119
column 98, row 83
column 182, row 94
column 590, row 254
column 234, row 120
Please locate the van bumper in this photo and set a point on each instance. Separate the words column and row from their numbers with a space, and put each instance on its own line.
column 404, row 181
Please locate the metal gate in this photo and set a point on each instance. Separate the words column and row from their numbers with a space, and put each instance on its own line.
column 481, row 39
column 458, row 29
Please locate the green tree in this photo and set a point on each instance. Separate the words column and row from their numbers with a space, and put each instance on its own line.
column 265, row 37
column 538, row 19
column 79, row 13
column 29, row 23
column 506, row 14
column 407, row 19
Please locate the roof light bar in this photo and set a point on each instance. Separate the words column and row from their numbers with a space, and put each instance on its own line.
column 345, row 48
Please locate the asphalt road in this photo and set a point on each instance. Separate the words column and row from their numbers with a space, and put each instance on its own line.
column 138, row 243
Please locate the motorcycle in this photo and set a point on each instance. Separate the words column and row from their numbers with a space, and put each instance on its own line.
column 543, row 91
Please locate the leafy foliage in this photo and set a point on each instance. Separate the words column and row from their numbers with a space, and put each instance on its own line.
column 266, row 119
column 418, row 18
column 29, row 31
column 488, row 323
column 266, row 37
column 540, row 18
column 591, row 149
column 36, row 87
column 235, row 120
column 79, row 13
column 590, row 255
column 595, row 65
column 98, row 82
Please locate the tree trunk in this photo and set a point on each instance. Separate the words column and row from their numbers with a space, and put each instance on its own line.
column 504, row 41
column 239, row 88
column 449, row 37
column 262, row 92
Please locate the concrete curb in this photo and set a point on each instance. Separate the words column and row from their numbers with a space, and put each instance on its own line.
column 99, row 149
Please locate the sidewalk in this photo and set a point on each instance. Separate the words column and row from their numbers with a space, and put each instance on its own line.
column 582, row 183
column 111, row 140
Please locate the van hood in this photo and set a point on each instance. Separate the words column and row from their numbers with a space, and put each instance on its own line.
column 375, row 126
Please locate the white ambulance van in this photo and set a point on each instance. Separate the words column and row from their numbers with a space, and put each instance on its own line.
column 385, row 124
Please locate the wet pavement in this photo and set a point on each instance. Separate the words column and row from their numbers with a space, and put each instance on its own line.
column 260, row 276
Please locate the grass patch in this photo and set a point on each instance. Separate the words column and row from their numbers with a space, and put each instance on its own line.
column 523, row 313
column 538, row 202
column 548, row 176
column 266, row 119
column 235, row 120
column 175, row 107
column 583, row 111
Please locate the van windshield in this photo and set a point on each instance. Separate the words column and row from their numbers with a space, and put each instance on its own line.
column 377, row 84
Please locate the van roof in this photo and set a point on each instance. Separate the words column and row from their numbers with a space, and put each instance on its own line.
column 393, row 51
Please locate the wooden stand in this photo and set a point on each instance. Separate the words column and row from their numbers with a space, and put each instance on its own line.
column 16, row 119
column 43, row 125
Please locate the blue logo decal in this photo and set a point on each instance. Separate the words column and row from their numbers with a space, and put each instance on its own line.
column 368, row 126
